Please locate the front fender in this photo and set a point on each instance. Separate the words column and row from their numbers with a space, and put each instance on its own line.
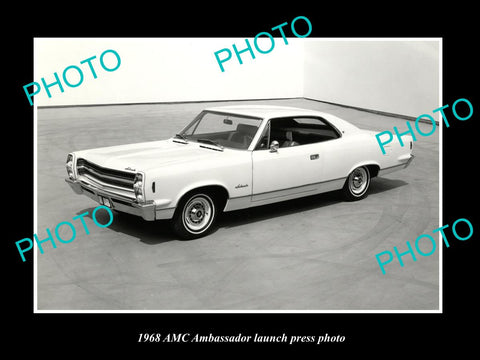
column 197, row 185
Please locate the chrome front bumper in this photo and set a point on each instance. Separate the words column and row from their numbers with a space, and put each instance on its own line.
column 147, row 211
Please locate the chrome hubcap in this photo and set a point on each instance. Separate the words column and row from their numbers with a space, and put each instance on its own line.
column 198, row 213
column 358, row 181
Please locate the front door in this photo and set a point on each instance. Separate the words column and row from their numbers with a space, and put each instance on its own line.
column 297, row 167
column 286, row 173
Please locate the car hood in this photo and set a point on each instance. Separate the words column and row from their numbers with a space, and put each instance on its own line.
column 143, row 156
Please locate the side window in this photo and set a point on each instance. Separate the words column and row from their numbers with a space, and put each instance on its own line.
column 295, row 131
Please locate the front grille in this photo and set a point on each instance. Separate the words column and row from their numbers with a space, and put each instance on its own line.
column 105, row 176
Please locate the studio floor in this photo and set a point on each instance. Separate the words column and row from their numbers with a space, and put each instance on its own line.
column 315, row 253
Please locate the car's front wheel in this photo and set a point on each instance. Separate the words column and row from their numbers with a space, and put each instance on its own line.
column 195, row 216
column 357, row 184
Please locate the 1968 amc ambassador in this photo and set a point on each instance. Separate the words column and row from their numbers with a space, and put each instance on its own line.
column 234, row 157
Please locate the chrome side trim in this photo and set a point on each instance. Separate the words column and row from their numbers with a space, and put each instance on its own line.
column 265, row 198
column 300, row 191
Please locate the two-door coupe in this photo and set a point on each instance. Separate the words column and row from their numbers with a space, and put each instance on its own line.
column 234, row 157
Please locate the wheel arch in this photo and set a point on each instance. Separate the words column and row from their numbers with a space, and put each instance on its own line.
column 218, row 191
column 187, row 222
column 372, row 166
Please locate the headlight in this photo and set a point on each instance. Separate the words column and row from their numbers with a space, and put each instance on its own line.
column 69, row 166
column 138, row 188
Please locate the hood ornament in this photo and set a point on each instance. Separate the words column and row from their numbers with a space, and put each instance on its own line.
column 129, row 168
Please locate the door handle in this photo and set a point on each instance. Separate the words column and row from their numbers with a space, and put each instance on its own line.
column 314, row 157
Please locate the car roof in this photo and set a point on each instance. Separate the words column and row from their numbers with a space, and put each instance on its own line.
column 264, row 111
column 273, row 111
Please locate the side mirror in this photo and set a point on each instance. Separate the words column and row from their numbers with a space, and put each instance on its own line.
column 274, row 145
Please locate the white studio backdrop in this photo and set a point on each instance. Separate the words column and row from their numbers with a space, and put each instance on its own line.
column 168, row 70
column 400, row 76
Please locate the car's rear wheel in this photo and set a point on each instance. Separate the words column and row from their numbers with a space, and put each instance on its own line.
column 195, row 215
column 357, row 184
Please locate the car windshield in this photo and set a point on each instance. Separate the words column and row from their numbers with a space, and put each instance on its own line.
column 222, row 130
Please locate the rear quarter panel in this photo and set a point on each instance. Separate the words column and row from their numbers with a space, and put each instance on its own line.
column 343, row 155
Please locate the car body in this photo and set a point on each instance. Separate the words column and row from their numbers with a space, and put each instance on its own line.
column 234, row 157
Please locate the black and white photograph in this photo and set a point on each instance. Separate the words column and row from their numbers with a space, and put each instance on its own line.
column 237, row 189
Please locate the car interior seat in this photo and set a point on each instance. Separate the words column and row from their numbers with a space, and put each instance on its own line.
column 289, row 141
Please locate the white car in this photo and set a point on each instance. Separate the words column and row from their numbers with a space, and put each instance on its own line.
column 234, row 157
